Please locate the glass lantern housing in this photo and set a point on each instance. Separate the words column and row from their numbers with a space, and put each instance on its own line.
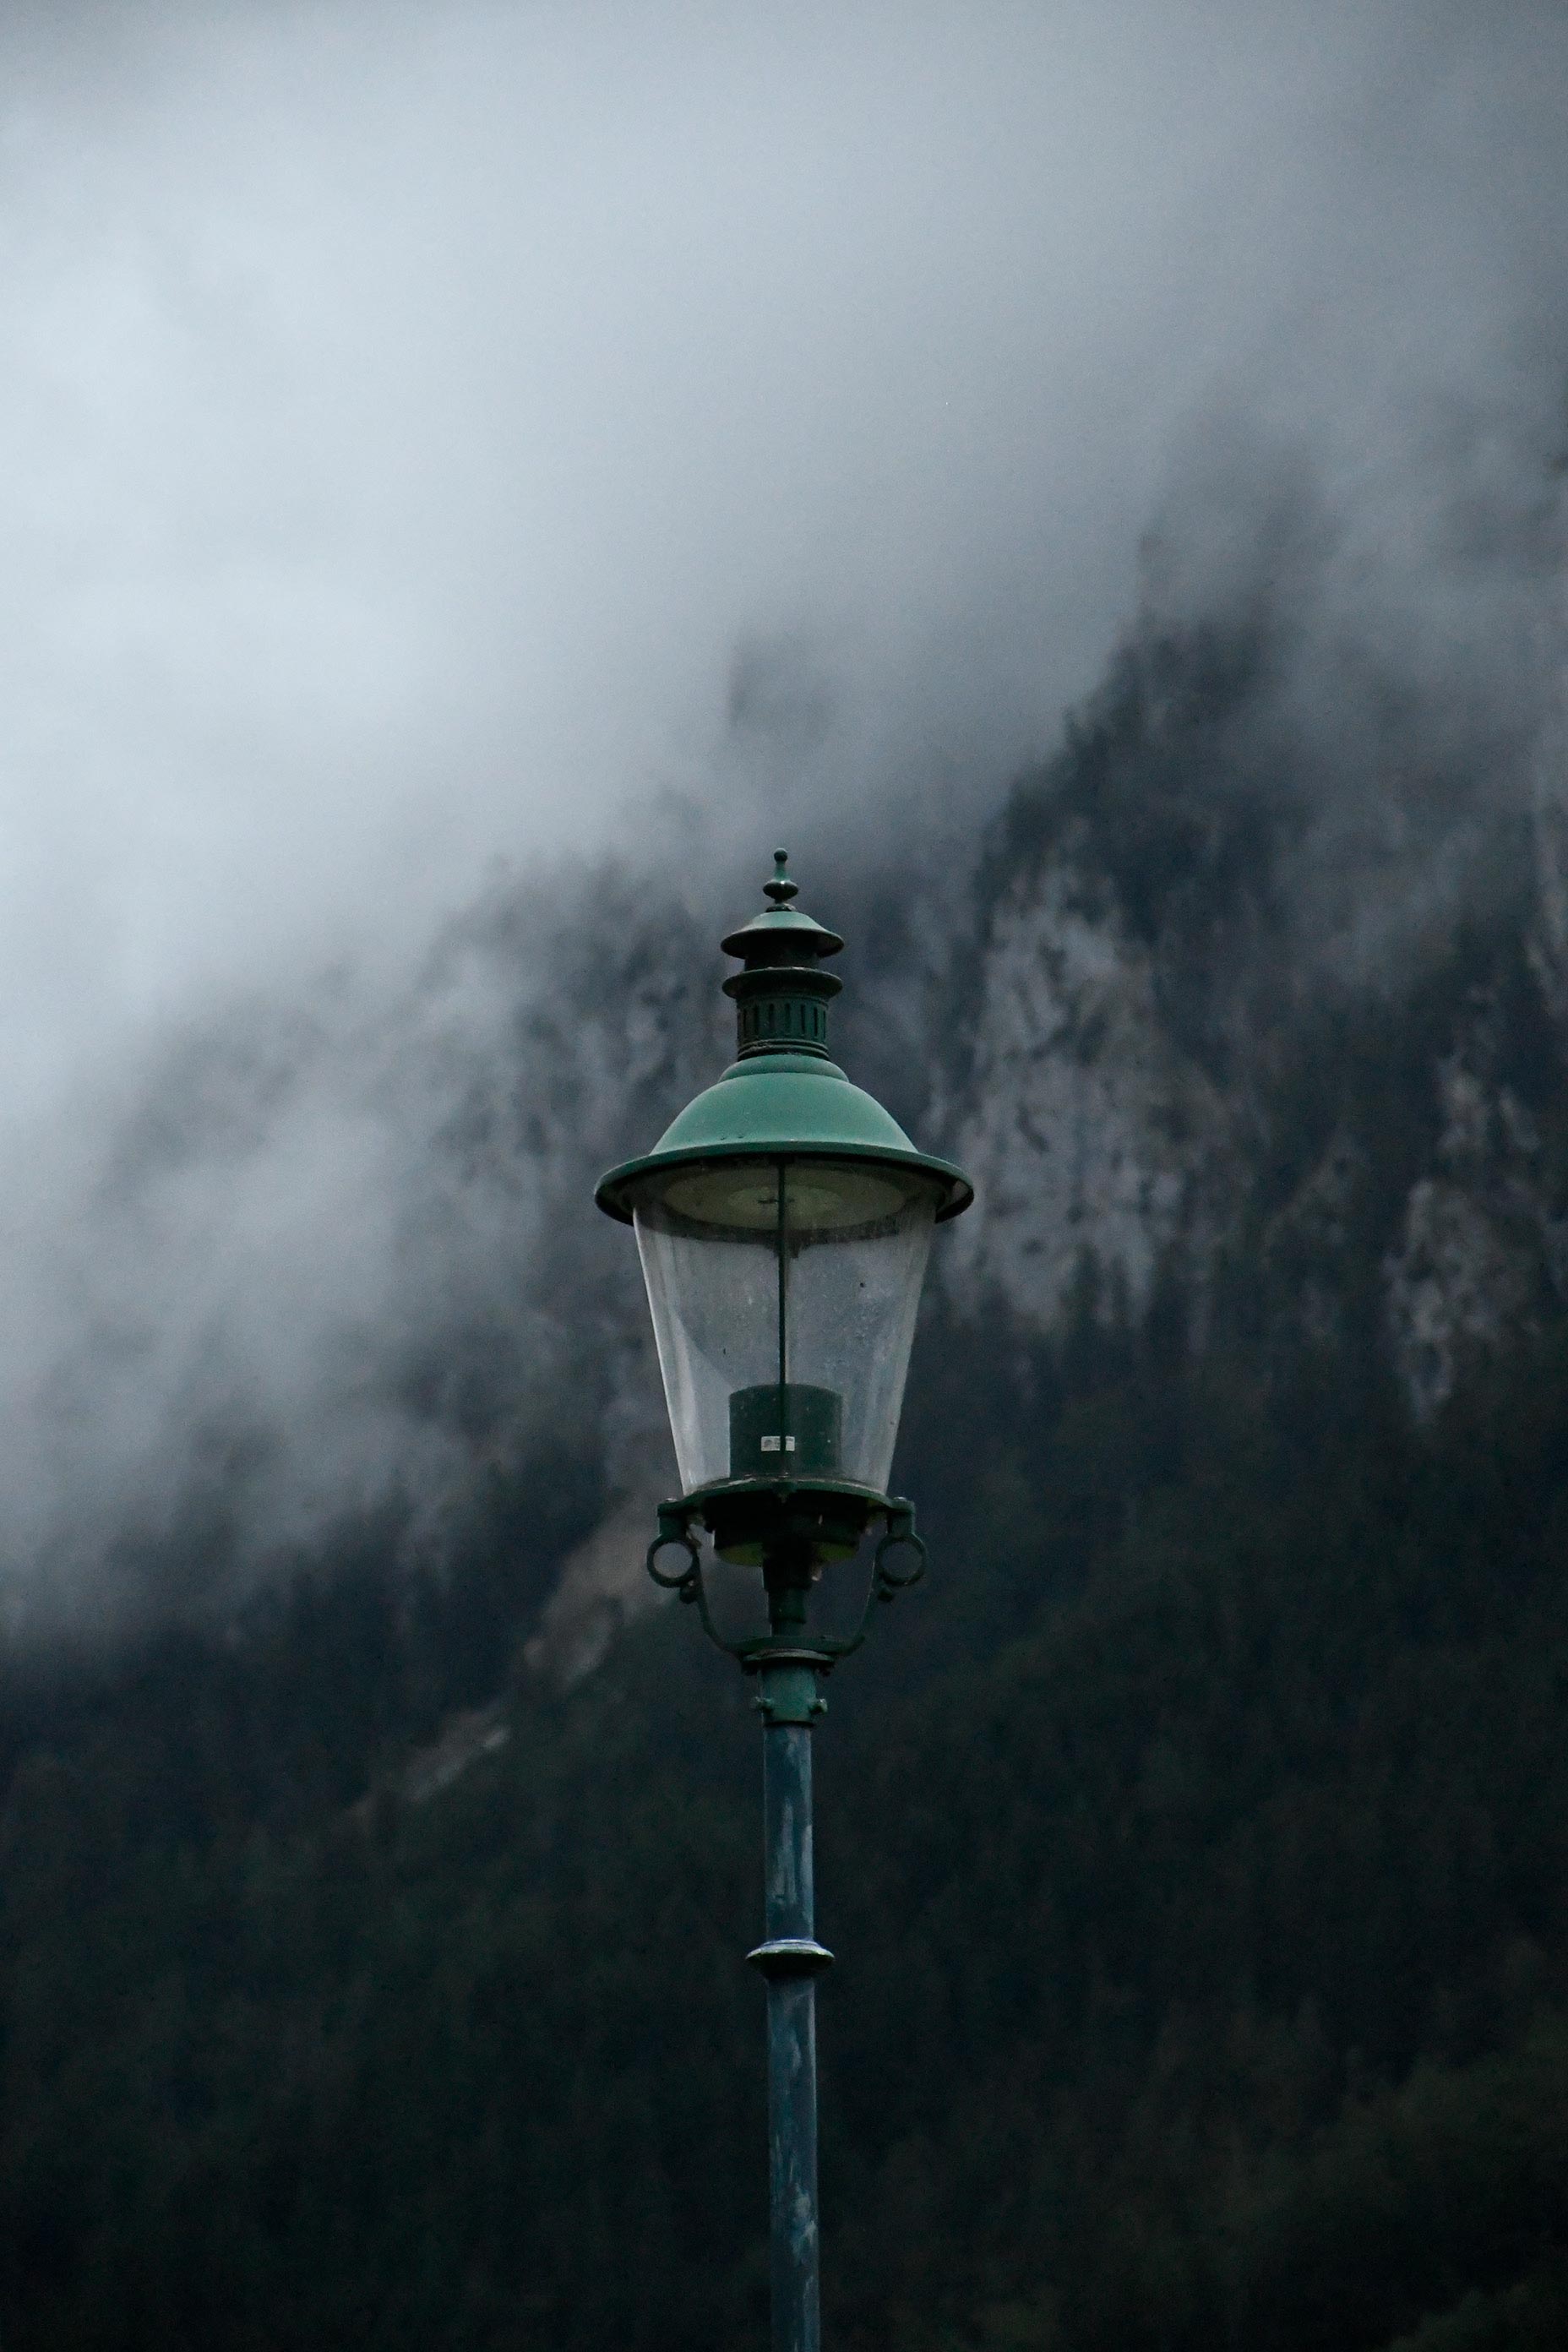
column 783, row 1297
column 784, row 1221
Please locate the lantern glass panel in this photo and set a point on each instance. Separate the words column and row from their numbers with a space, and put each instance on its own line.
column 784, row 1299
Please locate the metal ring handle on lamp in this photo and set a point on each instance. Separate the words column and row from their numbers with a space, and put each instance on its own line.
column 901, row 1537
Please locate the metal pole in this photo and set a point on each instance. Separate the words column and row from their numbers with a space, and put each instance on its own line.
column 791, row 1960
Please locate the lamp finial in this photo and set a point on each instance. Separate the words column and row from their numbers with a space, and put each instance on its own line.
column 781, row 889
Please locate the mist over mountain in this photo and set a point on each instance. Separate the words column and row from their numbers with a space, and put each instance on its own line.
column 338, row 1255
column 455, row 453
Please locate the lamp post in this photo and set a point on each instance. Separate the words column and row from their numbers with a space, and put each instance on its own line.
column 784, row 1222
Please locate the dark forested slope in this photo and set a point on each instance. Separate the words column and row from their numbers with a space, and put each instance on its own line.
column 1201, row 1906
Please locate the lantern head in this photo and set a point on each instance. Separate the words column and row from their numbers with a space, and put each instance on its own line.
column 784, row 1222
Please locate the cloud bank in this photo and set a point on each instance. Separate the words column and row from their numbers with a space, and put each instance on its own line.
column 443, row 443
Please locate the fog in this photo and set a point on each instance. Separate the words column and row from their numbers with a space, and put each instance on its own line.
column 442, row 444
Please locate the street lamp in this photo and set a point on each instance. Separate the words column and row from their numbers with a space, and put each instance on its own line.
column 784, row 1222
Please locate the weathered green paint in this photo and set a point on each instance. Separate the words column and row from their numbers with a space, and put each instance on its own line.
column 787, row 1692
column 784, row 1105
column 791, row 1959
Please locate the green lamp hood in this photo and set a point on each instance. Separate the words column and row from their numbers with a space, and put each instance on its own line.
column 783, row 1107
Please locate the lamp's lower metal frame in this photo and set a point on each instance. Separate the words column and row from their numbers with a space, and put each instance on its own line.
column 789, row 1530
column 751, row 1519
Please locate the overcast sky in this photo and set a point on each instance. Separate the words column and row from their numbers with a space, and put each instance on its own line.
column 409, row 412
column 406, row 410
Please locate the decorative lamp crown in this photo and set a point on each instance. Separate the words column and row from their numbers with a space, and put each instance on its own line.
column 783, row 995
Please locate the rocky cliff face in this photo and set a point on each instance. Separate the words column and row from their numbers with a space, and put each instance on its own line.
column 1089, row 1133
column 1167, row 1059
column 1093, row 1135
